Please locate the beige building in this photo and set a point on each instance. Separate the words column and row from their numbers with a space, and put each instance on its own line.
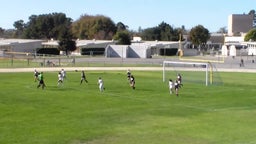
column 19, row 45
column 239, row 23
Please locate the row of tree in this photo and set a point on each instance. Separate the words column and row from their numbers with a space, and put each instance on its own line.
column 58, row 26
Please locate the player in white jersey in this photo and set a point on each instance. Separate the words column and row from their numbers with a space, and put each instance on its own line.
column 101, row 84
column 60, row 78
column 63, row 73
column 36, row 73
column 170, row 86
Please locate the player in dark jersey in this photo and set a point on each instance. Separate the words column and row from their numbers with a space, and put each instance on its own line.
column 179, row 79
column 129, row 74
column 132, row 82
column 176, row 87
column 83, row 78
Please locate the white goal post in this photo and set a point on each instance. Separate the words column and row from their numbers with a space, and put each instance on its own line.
column 187, row 66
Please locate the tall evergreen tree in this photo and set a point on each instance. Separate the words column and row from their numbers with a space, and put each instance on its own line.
column 19, row 28
column 66, row 42
column 123, row 38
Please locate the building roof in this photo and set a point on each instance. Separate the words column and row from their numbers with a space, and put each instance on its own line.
column 85, row 43
column 80, row 43
column 156, row 43
column 4, row 42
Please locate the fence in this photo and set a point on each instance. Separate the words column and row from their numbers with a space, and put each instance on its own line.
column 16, row 61
column 71, row 61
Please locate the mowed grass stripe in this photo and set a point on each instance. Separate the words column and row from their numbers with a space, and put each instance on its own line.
column 79, row 114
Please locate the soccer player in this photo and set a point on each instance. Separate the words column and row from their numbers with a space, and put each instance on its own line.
column 128, row 74
column 83, row 78
column 101, row 84
column 179, row 78
column 176, row 87
column 60, row 78
column 36, row 73
column 170, row 86
column 132, row 82
column 63, row 73
column 41, row 80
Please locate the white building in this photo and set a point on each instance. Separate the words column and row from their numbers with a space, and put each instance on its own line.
column 251, row 47
column 233, row 40
column 19, row 45
column 138, row 48
column 84, row 47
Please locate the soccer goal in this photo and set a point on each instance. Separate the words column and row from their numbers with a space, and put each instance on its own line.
column 190, row 71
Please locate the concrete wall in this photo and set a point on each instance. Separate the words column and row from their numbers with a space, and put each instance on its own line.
column 125, row 51
column 28, row 47
column 232, row 50
column 20, row 45
column 139, row 51
column 224, row 50
column 190, row 52
column 116, row 51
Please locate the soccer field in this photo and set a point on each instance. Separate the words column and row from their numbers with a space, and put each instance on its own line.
column 80, row 114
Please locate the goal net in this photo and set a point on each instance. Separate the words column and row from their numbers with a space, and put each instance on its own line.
column 194, row 72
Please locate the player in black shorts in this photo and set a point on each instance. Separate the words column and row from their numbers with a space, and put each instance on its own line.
column 132, row 82
column 176, row 87
column 83, row 78
column 41, row 80
column 179, row 78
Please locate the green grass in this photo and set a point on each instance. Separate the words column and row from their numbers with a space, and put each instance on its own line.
column 80, row 114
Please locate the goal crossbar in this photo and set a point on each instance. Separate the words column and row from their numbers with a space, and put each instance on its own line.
column 204, row 65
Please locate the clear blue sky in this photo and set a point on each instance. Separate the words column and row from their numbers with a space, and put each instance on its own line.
column 212, row 14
